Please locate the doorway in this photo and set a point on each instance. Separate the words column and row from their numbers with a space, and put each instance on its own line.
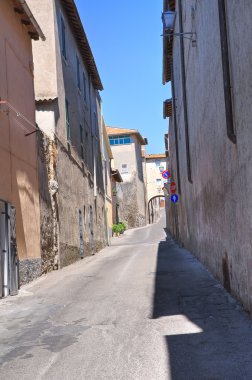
column 91, row 229
column 81, row 234
column 8, row 251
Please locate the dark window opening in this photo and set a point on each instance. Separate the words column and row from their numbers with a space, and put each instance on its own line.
column 63, row 38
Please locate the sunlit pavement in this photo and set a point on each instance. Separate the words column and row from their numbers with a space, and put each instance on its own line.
column 141, row 309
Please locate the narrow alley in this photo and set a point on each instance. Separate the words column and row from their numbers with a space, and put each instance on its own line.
column 142, row 309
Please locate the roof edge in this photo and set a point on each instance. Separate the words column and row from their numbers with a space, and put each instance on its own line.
column 32, row 19
column 141, row 139
column 76, row 24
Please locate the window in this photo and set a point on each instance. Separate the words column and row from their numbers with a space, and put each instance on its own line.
column 124, row 168
column 161, row 169
column 63, row 38
column 96, row 126
column 67, row 121
column 158, row 163
column 106, row 176
column 84, row 87
column 81, row 142
column 78, row 72
column 159, row 181
column 119, row 140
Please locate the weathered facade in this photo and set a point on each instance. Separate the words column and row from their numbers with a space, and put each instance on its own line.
column 210, row 136
column 73, row 221
column 20, row 259
column 126, row 145
column 107, row 157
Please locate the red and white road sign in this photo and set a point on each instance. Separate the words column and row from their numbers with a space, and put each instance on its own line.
column 166, row 174
column 173, row 187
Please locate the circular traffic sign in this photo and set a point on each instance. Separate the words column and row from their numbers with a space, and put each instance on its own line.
column 166, row 174
column 173, row 187
column 174, row 198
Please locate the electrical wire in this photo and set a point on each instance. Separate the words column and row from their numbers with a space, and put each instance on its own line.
column 19, row 115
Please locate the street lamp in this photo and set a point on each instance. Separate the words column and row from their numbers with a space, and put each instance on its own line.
column 168, row 19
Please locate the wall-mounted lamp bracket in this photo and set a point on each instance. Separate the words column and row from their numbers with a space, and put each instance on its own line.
column 185, row 35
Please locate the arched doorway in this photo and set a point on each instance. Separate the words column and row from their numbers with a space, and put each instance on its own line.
column 152, row 205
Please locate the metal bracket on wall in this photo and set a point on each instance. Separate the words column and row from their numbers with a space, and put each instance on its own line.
column 185, row 35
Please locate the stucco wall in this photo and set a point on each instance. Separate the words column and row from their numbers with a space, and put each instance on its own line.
column 18, row 154
column 213, row 217
column 45, row 74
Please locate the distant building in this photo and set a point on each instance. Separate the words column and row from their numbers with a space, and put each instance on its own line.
column 20, row 259
column 67, row 84
column 155, row 165
column 126, row 145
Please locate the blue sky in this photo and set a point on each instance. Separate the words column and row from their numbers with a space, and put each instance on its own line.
column 127, row 47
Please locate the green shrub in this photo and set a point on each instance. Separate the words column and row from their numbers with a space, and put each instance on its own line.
column 116, row 228
column 119, row 228
column 123, row 225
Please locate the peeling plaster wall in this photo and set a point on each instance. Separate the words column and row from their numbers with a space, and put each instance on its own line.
column 71, row 177
column 48, row 204
column 213, row 217
column 76, row 191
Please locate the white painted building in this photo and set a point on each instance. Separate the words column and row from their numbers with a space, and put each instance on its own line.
column 155, row 165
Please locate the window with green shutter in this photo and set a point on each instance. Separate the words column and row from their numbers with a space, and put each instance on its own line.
column 67, row 122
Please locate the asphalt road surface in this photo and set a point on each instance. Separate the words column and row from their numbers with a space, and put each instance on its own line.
column 142, row 309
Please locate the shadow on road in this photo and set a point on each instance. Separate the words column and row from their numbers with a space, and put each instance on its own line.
column 211, row 337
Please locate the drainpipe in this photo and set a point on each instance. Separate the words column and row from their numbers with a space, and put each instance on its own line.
column 32, row 19
column 183, row 75
column 226, row 71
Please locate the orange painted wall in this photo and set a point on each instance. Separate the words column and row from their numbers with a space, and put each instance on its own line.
column 18, row 154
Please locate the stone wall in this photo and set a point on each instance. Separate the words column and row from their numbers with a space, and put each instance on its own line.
column 76, row 197
column 29, row 270
column 48, row 213
column 129, row 211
